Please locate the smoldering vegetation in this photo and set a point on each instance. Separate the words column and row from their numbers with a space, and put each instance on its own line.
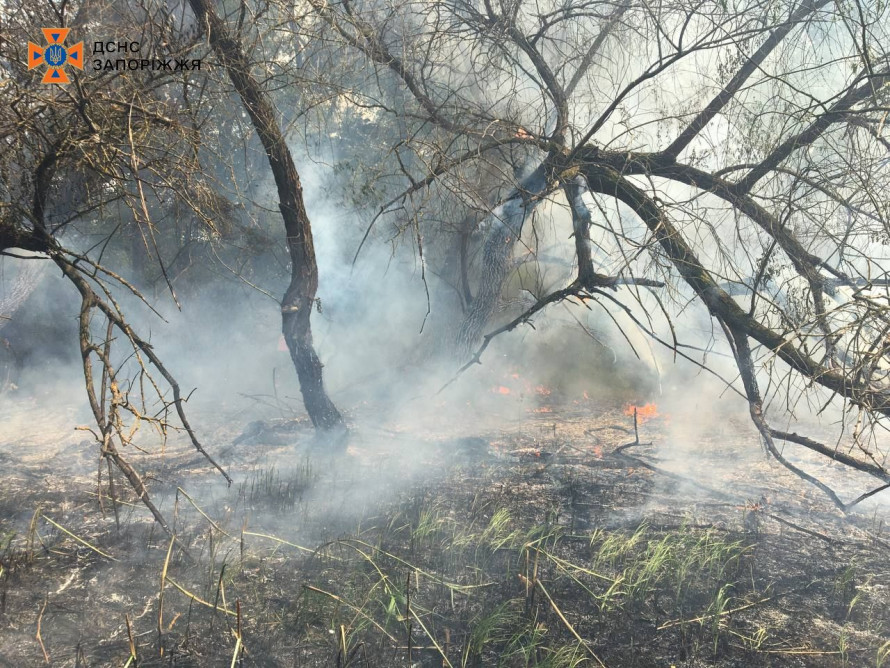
column 542, row 541
column 602, row 302
column 521, row 516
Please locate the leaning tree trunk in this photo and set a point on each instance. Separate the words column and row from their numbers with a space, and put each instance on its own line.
column 504, row 227
column 296, row 307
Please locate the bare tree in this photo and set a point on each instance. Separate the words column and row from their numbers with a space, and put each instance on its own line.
column 71, row 153
column 726, row 155
column 299, row 300
column 729, row 154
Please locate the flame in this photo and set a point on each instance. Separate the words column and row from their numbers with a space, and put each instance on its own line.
column 644, row 413
column 543, row 390
column 501, row 389
column 542, row 409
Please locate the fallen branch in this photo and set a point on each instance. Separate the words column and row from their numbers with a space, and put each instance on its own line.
column 797, row 527
column 429, row 635
column 38, row 634
column 675, row 476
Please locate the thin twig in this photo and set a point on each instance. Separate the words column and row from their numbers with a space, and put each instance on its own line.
column 197, row 599
column 568, row 625
column 361, row 613
column 78, row 538
column 203, row 514
column 38, row 636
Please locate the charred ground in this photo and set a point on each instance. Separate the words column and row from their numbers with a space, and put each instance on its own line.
column 545, row 543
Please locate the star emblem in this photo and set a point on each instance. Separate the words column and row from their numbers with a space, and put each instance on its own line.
column 55, row 55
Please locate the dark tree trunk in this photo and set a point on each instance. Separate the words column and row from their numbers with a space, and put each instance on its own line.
column 575, row 188
column 296, row 307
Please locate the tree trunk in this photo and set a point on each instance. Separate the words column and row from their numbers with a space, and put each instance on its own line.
column 503, row 228
column 296, row 307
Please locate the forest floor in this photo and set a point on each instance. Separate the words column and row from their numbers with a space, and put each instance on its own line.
column 539, row 542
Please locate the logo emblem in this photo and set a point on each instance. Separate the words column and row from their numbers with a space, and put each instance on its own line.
column 55, row 55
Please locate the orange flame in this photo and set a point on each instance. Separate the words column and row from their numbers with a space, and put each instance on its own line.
column 644, row 413
column 543, row 390
column 501, row 389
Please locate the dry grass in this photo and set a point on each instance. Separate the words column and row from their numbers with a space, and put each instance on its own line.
column 534, row 546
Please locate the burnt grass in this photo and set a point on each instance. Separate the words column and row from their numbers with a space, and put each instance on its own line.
column 542, row 544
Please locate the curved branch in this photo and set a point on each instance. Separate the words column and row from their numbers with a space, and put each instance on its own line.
column 837, row 112
column 608, row 182
column 803, row 11
column 742, row 350
column 369, row 43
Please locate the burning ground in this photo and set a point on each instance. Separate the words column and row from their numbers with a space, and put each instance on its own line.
column 554, row 539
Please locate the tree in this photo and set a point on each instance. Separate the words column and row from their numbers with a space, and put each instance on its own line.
column 299, row 300
column 728, row 154
column 105, row 143
column 725, row 155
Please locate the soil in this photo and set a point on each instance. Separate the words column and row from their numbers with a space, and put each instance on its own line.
column 555, row 538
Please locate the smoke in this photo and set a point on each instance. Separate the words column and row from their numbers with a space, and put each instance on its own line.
column 381, row 319
column 374, row 334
